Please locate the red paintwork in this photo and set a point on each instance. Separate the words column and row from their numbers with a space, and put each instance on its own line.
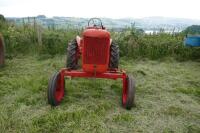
column 94, row 47
column 96, row 32
column 124, row 92
column 108, row 74
column 59, row 93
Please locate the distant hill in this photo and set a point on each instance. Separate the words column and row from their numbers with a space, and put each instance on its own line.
column 148, row 23
column 166, row 23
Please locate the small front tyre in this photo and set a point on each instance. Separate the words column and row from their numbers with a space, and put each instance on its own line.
column 128, row 94
column 55, row 92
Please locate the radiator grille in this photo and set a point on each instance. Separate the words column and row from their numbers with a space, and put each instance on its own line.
column 95, row 50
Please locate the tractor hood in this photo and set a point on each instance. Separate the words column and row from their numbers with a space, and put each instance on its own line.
column 97, row 33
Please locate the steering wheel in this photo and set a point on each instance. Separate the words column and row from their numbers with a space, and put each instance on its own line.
column 95, row 22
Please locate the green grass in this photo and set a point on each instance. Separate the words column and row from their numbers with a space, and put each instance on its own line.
column 167, row 98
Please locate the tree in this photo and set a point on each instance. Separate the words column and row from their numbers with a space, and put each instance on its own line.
column 2, row 18
column 194, row 29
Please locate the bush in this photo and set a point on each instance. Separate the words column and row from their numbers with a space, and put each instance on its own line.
column 133, row 43
column 26, row 40
column 194, row 29
column 156, row 46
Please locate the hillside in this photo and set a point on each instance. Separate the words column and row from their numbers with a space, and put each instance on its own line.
column 148, row 23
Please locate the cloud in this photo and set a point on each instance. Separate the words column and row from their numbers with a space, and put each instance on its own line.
column 102, row 8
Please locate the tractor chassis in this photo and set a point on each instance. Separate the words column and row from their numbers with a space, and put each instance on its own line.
column 110, row 74
column 57, row 84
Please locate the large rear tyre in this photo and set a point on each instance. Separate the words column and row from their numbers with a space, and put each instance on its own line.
column 72, row 55
column 2, row 50
column 128, row 94
column 55, row 92
column 114, row 56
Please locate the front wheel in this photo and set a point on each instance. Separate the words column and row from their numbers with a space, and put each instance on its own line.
column 128, row 94
column 55, row 92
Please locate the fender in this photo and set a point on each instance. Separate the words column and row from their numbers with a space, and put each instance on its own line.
column 110, row 41
column 79, row 40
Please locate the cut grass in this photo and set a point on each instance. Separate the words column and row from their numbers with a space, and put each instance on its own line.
column 167, row 98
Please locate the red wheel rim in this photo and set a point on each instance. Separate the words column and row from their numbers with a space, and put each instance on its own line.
column 125, row 91
column 59, row 92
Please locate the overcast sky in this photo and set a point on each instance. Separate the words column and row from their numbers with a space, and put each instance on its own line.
column 102, row 8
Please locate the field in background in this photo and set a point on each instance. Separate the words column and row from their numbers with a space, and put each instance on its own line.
column 167, row 98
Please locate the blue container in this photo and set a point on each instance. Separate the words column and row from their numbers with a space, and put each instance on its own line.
column 193, row 41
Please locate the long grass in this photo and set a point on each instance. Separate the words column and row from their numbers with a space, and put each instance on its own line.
column 167, row 98
column 155, row 46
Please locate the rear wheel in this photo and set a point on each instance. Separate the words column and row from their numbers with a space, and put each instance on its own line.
column 128, row 94
column 114, row 56
column 72, row 55
column 2, row 56
column 55, row 92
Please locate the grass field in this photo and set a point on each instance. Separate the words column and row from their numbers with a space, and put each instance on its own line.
column 167, row 99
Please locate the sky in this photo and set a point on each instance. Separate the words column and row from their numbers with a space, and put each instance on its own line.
column 102, row 8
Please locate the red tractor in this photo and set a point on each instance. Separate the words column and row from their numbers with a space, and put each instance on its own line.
column 100, row 59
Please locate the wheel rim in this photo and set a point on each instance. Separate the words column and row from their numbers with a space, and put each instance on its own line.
column 125, row 91
column 59, row 92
